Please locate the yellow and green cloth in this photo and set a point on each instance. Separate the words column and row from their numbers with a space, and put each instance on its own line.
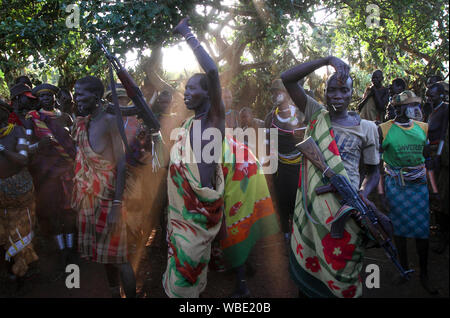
column 249, row 212
column 320, row 265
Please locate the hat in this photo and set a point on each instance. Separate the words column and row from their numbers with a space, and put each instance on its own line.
column 20, row 89
column 23, row 79
column 406, row 97
column 45, row 88
column 277, row 85
column 120, row 90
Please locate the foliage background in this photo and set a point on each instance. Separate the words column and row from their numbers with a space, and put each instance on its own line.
column 252, row 41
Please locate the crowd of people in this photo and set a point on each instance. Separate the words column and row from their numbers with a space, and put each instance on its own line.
column 67, row 180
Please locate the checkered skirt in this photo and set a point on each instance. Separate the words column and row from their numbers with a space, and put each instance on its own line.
column 409, row 208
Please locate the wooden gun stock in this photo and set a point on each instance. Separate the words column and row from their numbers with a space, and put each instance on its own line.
column 311, row 151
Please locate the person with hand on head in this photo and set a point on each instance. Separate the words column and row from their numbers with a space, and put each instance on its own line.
column 320, row 265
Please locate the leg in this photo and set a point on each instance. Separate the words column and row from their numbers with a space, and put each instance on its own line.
column 241, row 284
column 127, row 279
column 401, row 244
column 422, row 250
column 112, row 274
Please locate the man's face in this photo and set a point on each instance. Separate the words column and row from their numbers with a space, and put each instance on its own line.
column 194, row 94
column 25, row 104
column 162, row 103
column 85, row 100
column 245, row 118
column 395, row 89
column 338, row 95
column 279, row 97
column 433, row 96
column 377, row 79
column 46, row 100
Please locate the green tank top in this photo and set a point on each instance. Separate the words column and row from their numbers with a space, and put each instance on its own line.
column 403, row 146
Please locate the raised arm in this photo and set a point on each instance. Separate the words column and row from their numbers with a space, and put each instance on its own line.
column 217, row 109
column 291, row 77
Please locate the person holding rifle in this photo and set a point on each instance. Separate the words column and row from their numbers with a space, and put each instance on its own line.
column 320, row 265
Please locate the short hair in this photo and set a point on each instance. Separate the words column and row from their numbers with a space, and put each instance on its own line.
column 334, row 77
column 399, row 82
column 378, row 71
column 246, row 109
column 93, row 85
column 440, row 88
column 204, row 83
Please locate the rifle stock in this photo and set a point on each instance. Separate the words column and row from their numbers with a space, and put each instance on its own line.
column 311, row 151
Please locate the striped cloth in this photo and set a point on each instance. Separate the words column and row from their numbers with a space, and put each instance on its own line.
column 41, row 130
column 320, row 265
column 93, row 193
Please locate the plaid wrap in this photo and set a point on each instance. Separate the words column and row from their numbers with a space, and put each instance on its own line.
column 92, row 197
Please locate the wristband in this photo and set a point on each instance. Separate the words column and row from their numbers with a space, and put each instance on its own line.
column 23, row 153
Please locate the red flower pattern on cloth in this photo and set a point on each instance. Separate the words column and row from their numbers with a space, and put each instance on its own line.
column 313, row 122
column 350, row 292
column 235, row 208
column 337, row 251
column 246, row 169
column 332, row 286
column 312, row 263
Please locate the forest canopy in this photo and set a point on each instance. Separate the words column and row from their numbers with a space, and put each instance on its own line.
column 252, row 41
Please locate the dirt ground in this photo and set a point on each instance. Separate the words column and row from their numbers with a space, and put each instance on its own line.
column 267, row 278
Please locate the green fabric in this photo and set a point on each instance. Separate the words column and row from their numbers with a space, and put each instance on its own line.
column 332, row 264
column 403, row 147
column 249, row 212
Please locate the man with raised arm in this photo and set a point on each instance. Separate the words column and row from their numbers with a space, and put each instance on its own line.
column 320, row 265
column 98, row 187
column 195, row 183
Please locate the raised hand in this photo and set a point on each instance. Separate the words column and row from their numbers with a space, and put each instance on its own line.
column 341, row 68
column 183, row 27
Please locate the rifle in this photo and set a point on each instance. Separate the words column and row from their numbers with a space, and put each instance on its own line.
column 365, row 213
column 133, row 91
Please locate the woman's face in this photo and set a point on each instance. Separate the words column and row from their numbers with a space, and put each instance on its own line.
column 194, row 94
